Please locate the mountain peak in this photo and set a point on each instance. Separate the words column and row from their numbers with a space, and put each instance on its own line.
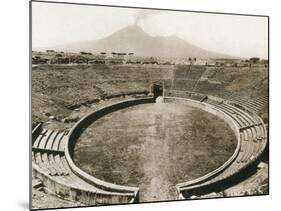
column 134, row 39
column 132, row 30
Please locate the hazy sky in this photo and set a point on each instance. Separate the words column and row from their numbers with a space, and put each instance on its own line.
column 56, row 24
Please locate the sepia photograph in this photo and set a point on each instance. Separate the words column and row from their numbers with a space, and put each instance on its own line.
column 135, row 105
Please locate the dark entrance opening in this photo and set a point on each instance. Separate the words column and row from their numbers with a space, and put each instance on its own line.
column 157, row 89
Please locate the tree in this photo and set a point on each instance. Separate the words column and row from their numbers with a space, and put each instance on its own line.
column 254, row 59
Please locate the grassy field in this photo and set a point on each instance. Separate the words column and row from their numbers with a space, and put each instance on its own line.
column 154, row 147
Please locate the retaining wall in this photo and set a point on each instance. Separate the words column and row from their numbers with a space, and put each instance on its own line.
column 67, row 192
column 35, row 133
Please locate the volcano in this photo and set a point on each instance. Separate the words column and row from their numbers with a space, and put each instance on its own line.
column 135, row 39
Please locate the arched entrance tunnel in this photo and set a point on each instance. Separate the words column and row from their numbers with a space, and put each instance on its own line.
column 157, row 89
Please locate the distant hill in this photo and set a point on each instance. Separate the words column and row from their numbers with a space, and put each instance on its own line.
column 134, row 39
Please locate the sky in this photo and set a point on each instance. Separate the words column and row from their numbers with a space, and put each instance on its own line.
column 241, row 36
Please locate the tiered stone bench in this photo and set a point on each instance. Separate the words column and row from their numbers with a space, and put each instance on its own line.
column 50, row 164
column 184, row 84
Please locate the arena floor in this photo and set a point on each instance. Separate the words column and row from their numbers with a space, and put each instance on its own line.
column 154, row 146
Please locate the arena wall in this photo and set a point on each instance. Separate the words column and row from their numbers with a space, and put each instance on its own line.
column 80, row 126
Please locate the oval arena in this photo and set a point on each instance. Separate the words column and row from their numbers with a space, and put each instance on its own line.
column 152, row 136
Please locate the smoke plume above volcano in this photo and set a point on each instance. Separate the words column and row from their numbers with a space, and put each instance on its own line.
column 145, row 14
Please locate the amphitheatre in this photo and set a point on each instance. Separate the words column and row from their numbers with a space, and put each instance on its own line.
column 129, row 133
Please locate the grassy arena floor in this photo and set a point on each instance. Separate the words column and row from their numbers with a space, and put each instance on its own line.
column 154, row 146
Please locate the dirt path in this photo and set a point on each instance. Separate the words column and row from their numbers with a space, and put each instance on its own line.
column 156, row 165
